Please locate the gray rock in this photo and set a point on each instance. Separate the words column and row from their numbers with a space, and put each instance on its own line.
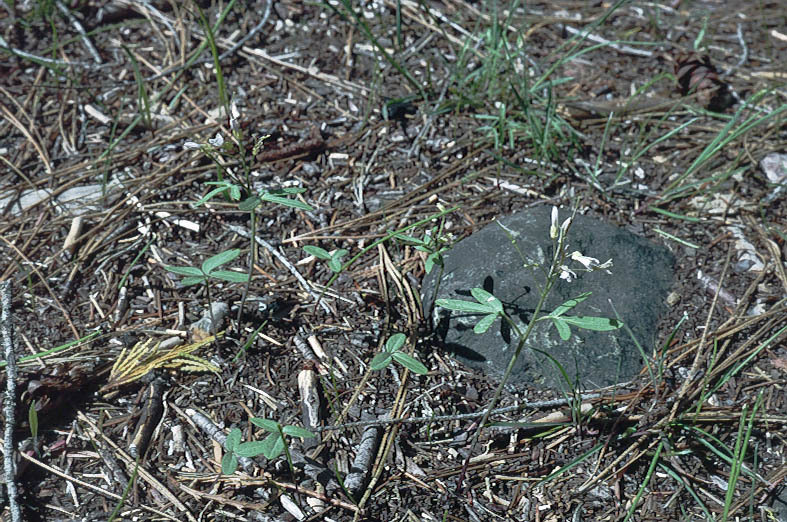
column 780, row 505
column 640, row 281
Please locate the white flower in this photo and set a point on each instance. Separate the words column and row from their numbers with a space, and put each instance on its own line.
column 591, row 263
column 588, row 261
column 218, row 141
column 564, row 226
column 567, row 274
column 553, row 227
column 234, row 115
column 191, row 145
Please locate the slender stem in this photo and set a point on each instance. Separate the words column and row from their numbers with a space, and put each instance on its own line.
column 289, row 457
column 506, row 375
column 557, row 259
column 252, row 260
column 213, row 325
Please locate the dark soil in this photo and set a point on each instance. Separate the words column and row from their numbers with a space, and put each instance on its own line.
column 376, row 152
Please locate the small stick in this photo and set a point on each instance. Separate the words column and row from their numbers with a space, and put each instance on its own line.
column 364, row 458
column 9, row 466
column 310, row 403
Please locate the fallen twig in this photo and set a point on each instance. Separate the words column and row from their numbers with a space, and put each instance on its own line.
column 9, row 406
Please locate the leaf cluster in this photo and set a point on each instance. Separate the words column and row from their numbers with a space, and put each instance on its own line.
column 486, row 304
column 208, row 270
column 392, row 352
column 563, row 322
column 270, row 447
column 334, row 259
column 491, row 307
column 433, row 244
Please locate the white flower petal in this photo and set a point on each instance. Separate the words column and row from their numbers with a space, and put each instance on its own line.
column 218, row 141
column 567, row 274
column 234, row 115
column 565, row 225
column 587, row 261
column 553, row 231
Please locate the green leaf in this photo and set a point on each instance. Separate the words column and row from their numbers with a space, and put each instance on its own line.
column 287, row 202
column 409, row 239
column 273, row 446
column 465, row 306
column 484, row 297
column 484, row 324
column 598, row 324
column 210, row 264
column 295, row 431
column 266, row 424
column 230, row 275
column 335, row 264
column 319, row 253
column 184, row 270
column 233, row 439
column 395, row 342
column 189, row 281
column 210, row 194
column 410, row 363
column 250, row 449
column 429, row 264
column 380, row 361
column 571, row 303
column 435, row 258
column 229, row 463
column 562, row 328
column 249, row 204
column 287, row 190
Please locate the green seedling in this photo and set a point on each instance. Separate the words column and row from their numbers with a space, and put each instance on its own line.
column 334, row 259
column 434, row 244
column 235, row 184
column 392, row 352
column 387, row 237
column 229, row 462
column 270, row 447
column 208, row 270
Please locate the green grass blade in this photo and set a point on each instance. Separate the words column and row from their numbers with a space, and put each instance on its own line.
column 653, row 462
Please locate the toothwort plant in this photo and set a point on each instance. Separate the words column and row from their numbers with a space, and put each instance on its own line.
column 559, row 269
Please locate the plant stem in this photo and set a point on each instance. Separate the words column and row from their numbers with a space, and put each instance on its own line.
column 557, row 260
column 252, row 260
column 506, row 375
